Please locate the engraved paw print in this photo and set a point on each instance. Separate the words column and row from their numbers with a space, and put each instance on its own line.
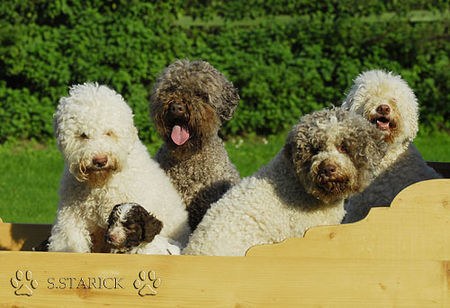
column 147, row 288
column 24, row 283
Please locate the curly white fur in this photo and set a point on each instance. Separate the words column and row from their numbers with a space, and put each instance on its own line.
column 106, row 164
column 403, row 163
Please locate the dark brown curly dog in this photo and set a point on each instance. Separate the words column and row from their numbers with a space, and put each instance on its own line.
column 189, row 103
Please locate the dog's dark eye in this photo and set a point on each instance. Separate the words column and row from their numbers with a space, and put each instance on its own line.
column 130, row 226
column 110, row 133
column 314, row 151
column 204, row 97
column 342, row 148
column 84, row 136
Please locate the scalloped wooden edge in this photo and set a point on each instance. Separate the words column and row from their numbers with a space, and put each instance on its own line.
column 419, row 213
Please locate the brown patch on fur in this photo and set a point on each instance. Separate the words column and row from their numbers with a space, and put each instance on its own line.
column 153, row 227
column 99, row 244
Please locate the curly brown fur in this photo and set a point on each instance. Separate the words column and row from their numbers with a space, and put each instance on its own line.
column 330, row 159
column 189, row 102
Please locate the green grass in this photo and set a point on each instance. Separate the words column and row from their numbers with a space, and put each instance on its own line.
column 29, row 180
column 434, row 146
column 251, row 153
column 29, row 173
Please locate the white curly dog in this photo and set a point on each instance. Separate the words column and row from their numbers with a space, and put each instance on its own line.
column 388, row 102
column 106, row 164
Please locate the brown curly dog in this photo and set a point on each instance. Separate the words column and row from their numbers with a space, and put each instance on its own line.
column 189, row 103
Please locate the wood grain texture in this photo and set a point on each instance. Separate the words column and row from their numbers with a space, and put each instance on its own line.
column 398, row 256
column 220, row 281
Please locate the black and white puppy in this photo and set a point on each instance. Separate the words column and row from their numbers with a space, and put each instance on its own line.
column 132, row 229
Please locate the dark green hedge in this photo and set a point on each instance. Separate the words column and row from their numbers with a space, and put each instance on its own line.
column 286, row 57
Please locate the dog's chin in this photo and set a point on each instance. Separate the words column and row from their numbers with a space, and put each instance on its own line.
column 119, row 248
column 331, row 190
column 386, row 124
column 95, row 177
column 186, row 147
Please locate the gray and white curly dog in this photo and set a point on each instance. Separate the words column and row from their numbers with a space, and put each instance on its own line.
column 189, row 103
column 328, row 156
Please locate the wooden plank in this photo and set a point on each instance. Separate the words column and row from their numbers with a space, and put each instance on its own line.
column 194, row 281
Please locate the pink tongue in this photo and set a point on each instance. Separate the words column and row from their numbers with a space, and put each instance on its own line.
column 179, row 135
column 383, row 125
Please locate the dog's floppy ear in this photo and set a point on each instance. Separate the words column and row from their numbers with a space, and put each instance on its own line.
column 229, row 101
column 112, row 214
column 151, row 226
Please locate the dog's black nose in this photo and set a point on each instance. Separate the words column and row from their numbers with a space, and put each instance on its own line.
column 100, row 161
column 177, row 109
column 383, row 109
column 328, row 169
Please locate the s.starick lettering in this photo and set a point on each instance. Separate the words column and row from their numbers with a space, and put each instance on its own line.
column 24, row 283
column 108, row 283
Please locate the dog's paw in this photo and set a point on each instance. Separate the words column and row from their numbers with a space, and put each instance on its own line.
column 24, row 283
column 145, row 288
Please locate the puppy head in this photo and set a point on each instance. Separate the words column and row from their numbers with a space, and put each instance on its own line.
column 190, row 100
column 334, row 153
column 386, row 101
column 129, row 225
column 94, row 131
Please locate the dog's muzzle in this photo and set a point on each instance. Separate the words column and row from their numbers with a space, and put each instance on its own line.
column 178, row 117
column 382, row 118
column 177, row 110
column 100, row 161
column 330, row 179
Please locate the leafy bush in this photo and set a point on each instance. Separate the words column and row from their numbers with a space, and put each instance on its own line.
column 286, row 57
